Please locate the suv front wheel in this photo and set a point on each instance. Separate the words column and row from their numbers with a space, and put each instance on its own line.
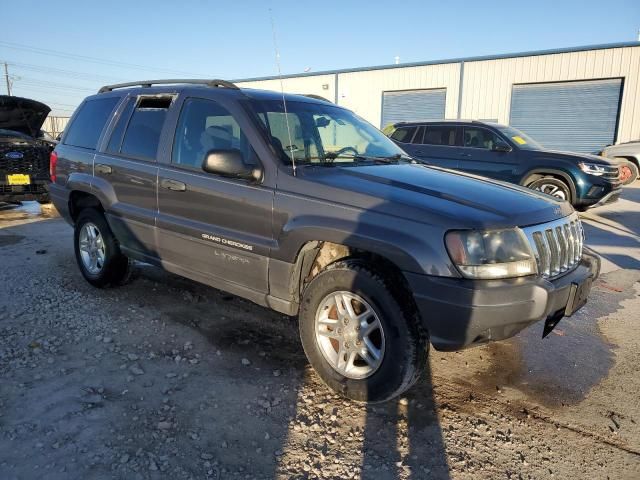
column 362, row 337
column 552, row 186
column 97, row 251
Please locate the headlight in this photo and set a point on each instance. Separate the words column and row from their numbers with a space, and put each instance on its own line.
column 491, row 254
column 592, row 168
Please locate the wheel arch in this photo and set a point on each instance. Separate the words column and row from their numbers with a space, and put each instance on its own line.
column 537, row 173
column 316, row 255
column 79, row 200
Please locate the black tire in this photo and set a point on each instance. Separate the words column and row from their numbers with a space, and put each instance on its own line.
column 406, row 342
column 555, row 182
column 116, row 268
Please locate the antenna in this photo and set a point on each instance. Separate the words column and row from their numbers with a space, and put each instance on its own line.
column 284, row 101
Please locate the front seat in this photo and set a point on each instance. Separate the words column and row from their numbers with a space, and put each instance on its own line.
column 216, row 138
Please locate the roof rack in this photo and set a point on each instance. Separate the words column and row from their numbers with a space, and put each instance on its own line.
column 317, row 97
column 149, row 83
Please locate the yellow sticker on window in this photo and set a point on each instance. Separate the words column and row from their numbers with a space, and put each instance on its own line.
column 519, row 140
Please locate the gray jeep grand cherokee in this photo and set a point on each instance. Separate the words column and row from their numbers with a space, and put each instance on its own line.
column 301, row 206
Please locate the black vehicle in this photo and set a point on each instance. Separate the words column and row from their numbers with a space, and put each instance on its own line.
column 24, row 150
column 505, row 153
column 305, row 208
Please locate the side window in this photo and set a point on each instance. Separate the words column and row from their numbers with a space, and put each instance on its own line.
column 298, row 147
column 89, row 122
column 116, row 136
column 440, row 135
column 205, row 125
column 479, row 138
column 404, row 134
column 143, row 131
column 417, row 138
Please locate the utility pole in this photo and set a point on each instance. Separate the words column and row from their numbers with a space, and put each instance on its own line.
column 6, row 77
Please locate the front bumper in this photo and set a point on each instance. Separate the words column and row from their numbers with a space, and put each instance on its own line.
column 594, row 191
column 460, row 313
column 610, row 197
column 37, row 190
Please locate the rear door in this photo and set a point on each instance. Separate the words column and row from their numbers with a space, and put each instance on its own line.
column 212, row 228
column 436, row 145
column 477, row 155
column 127, row 170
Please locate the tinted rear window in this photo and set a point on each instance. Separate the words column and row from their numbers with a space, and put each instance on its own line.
column 143, row 132
column 403, row 134
column 88, row 124
column 118, row 131
column 440, row 135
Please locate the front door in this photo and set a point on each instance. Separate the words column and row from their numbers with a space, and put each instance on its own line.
column 212, row 228
column 479, row 157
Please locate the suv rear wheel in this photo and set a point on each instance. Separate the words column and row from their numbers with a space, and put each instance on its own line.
column 362, row 337
column 552, row 186
column 97, row 251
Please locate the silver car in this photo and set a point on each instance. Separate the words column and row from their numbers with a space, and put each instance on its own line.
column 629, row 151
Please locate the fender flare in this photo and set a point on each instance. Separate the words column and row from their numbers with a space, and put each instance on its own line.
column 552, row 171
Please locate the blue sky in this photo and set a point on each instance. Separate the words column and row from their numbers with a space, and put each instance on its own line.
column 215, row 39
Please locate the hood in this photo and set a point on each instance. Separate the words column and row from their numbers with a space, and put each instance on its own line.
column 578, row 157
column 22, row 114
column 437, row 196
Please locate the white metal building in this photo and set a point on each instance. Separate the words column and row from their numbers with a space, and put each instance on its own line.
column 578, row 99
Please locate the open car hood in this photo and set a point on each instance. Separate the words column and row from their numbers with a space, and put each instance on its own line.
column 22, row 114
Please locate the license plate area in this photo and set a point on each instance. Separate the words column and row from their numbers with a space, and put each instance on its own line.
column 18, row 179
column 578, row 296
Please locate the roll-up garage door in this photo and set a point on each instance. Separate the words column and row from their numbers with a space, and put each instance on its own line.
column 576, row 116
column 413, row 105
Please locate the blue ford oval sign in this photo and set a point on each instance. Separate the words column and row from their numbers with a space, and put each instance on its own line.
column 13, row 155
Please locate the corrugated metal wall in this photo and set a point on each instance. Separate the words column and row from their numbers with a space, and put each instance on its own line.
column 413, row 105
column 303, row 85
column 578, row 116
column 487, row 84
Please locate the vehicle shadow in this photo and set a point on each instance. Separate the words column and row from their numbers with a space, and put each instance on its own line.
column 620, row 247
column 313, row 429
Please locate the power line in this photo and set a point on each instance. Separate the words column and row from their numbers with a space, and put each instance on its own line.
column 86, row 58
column 65, row 73
column 37, row 82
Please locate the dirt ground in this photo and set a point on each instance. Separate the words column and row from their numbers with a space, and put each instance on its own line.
column 165, row 378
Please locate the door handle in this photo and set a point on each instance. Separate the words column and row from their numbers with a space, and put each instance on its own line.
column 174, row 185
column 102, row 168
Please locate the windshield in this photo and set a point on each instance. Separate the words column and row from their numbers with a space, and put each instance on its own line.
column 521, row 139
column 324, row 134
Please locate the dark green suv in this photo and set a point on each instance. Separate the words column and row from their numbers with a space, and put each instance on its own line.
column 505, row 153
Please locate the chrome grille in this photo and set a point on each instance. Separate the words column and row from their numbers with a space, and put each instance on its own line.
column 611, row 172
column 557, row 245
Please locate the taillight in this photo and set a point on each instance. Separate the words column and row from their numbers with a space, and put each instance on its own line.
column 53, row 163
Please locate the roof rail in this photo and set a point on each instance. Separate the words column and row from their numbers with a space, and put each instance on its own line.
column 149, row 83
column 317, row 97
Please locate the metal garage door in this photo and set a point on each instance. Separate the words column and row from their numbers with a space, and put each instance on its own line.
column 575, row 116
column 413, row 105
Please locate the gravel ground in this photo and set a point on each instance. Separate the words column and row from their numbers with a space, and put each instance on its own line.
column 168, row 378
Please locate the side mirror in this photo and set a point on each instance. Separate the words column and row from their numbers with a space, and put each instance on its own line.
column 229, row 163
column 501, row 147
